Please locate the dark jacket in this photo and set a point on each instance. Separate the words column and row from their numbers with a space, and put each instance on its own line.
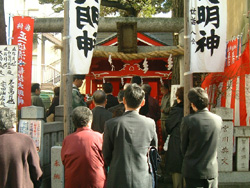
column 117, row 110
column 100, row 116
column 111, row 101
column 199, row 141
column 19, row 161
column 126, row 142
column 173, row 154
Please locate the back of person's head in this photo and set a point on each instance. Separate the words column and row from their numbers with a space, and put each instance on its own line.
column 126, row 85
column 34, row 87
column 134, row 95
column 56, row 91
column 146, row 88
column 136, row 80
column 120, row 95
column 198, row 97
column 165, row 86
column 78, row 77
column 180, row 93
column 81, row 116
column 99, row 97
column 107, row 87
column 7, row 118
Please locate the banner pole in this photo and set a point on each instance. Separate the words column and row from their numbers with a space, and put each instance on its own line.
column 67, row 79
column 188, row 77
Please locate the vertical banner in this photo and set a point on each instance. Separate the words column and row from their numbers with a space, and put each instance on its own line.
column 83, row 27
column 8, row 76
column 232, row 52
column 23, row 37
column 208, row 28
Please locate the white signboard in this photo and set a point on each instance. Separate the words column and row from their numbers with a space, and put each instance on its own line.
column 83, row 27
column 33, row 129
column 172, row 94
column 8, row 76
column 208, row 28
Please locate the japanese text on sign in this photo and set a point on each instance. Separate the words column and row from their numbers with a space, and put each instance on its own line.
column 8, row 76
column 207, row 35
column 83, row 33
column 33, row 129
column 23, row 37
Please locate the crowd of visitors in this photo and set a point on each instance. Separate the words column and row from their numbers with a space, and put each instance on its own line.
column 111, row 145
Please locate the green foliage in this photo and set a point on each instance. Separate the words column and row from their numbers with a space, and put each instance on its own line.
column 137, row 8
column 58, row 5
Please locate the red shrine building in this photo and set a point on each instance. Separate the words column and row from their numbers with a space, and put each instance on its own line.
column 118, row 71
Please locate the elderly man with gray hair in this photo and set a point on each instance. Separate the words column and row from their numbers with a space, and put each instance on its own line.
column 19, row 160
column 82, row 153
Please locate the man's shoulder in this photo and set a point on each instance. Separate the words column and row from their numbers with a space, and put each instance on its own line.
column 101, row 110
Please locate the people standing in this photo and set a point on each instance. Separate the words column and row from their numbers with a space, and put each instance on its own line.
column 126, row 142
column 77, row 98
column 82, row 153
column 173, row 154
column 100, row 114
column 199, row 142
column 36, row 99
column 165, row 109
column 55, row 102
column 19, row 160
column 111, row 99
column 154, row 111
column 119, row 109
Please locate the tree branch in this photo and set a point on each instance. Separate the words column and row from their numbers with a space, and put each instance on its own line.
column 115, row 4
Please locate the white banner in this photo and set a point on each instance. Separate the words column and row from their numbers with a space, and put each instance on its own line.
column 208, row 28
column 84, row 15
column 8, row 76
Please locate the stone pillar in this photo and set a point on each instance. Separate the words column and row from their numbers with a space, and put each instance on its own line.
column 57, row 169
column 29, row 115
column 59, row 113
column 225, row 148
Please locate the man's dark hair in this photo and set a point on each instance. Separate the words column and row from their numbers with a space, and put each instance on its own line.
column 34, row 87
column 180, row 93
column 107, row 87
column 146, row 88
column 136, row 79
column 57, row 91
column 99, row 97
column 120, row 95
column 81, row 115
column 165, row 86
column 198, row 97
column 134, row 95
column 78, row 76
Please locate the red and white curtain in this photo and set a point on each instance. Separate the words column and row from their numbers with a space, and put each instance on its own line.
column 231, row 88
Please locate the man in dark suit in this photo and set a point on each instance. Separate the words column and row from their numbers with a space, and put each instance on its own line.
column 126, row 142
column 199, row 141
column 111, row 99
column 100, row 114
column 119, row 109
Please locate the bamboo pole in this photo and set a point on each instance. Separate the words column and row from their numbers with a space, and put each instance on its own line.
column 188, row 78
column 67, row 79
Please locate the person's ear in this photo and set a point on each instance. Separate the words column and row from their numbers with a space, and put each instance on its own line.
column 89, row 125
column 124, row 101
column 142, row 103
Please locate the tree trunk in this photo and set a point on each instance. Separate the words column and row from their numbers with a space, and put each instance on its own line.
column 2, row 24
